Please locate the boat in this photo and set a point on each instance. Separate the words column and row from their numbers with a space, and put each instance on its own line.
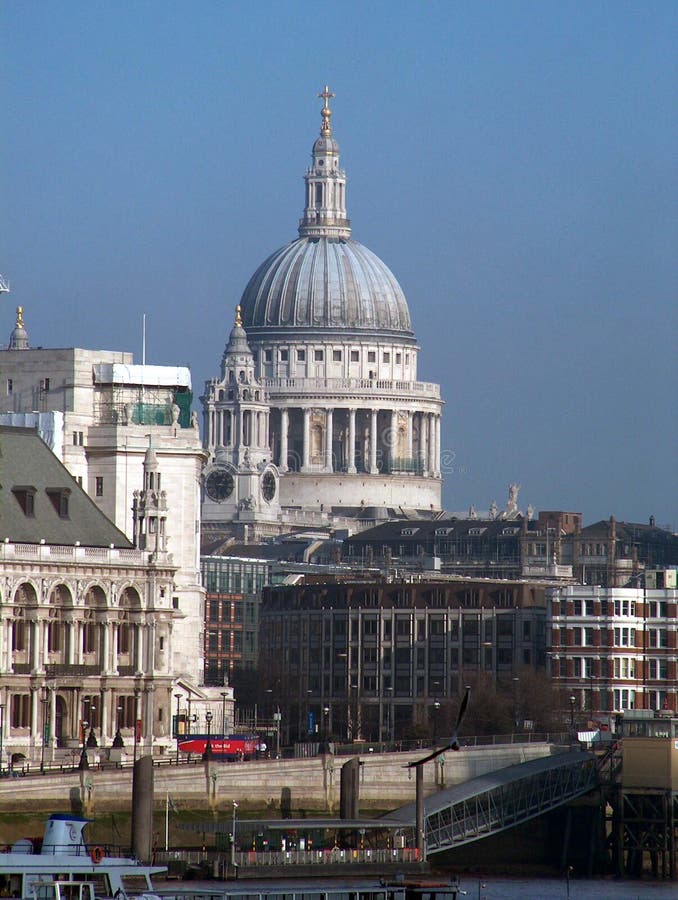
column 65, row 867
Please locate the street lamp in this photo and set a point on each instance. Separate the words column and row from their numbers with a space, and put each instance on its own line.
column 235, row 819
column 326, row 723
column 208, row 748
column 277, row 718
column 572, row 702
column 84, row 762
column 177, row 697
column 224, row 695
column 136, row 719
column 44, row 699
column 2, row 731
column 436, row 709
column 118, row 742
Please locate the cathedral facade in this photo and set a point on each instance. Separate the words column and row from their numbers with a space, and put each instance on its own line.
column 317, row 416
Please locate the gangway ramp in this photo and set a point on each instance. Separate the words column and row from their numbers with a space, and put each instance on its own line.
column 495, row 802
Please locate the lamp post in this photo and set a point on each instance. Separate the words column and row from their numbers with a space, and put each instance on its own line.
column 235, row 820
column 44, row 699
column 84, row 762
column 436, row 709
column 208, row 748
column 118, row 742
column 277, row 717
column 573, row 700
column 326, row 724
column 136, row 720
column 224, row 695
column 177, row 697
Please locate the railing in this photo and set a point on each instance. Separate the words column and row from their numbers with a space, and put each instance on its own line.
column 292, row 385
column 60, row 669
column 47, row 552
column 217, row 859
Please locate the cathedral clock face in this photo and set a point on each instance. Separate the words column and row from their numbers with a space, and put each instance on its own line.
column 268, row 486
column 219, row 485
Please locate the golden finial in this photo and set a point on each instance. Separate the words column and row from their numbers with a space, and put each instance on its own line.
column 19, row 317
column 238, row 317
column 326, row 112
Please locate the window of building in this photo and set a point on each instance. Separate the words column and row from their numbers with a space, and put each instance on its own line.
column 318, row 355
column 402, row 626
column 387, row 356
column 99, row 486
column 44, row 385
column 369, row 683
column 301, row 355
column 284, row 356
column 268, row 355
column 25, row 496
column 371, row 356
column 355, row 356
column 336, row 355
column 21, row 710
column 10, row 385
column 369, row 626
column 421, row 658
column 59, row 500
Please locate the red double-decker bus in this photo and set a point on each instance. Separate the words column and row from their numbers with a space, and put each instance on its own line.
column 229, row 747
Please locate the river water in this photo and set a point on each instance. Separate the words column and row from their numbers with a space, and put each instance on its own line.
column 486, row 889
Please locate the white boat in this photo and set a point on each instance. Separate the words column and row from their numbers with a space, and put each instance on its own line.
column 66, row 868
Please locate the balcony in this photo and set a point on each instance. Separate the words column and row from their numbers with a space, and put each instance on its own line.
column 368, row 387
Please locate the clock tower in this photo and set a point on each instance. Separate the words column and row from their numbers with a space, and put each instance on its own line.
column 240, row 483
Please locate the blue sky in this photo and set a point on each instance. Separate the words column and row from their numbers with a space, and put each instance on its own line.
column 514, row 163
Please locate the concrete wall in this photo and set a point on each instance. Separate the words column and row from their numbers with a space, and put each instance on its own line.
column 297, row 785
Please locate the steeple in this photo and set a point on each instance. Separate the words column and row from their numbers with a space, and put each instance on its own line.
column 325, row 211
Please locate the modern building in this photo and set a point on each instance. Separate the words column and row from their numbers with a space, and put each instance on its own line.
column 100, row 413
column 86, row 619
column 614, row 649
column 318, row 415
column 370, row 658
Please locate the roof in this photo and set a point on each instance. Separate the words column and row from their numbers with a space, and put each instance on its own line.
column 151, row 376
column 323, row 284
column 28, row 467
column 422, row 530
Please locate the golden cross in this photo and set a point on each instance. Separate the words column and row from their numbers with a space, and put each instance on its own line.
column 327, row 95
column 326, row 112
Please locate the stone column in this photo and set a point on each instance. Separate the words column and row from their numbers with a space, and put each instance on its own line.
column 106, row 648
column 431, row 445
column 351, row 442
column 393, row 440
column 410, row 423
column 35, row 703
column 52, row 717
column 307, row 441
column 103, row 702
column 423, row 444
column 284, row 430
column 139, row 648
column 437, row 424
column 373, row 442
column 115, row 627
column 10, row 645
column 70, row 645
column 329, row 439
column 34, row 633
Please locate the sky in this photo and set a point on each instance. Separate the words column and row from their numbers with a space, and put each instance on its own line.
column 513, row 163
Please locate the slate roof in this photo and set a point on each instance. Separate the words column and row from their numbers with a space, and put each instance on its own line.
column 420, row 530
column 27, row 465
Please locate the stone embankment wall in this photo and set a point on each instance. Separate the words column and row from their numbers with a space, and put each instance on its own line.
column 287, row 786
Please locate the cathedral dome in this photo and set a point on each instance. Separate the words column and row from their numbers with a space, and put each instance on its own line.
column 325, row 283
column 324, row 280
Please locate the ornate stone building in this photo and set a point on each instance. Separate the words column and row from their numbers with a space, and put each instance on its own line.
column 86, row 619
column 100, row 413
column 343, row 427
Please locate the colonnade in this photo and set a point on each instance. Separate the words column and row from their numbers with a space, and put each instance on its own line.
column 352, row 439
column 37, row 655
column 236, row 428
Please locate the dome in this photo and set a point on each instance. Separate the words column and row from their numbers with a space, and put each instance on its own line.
column 325, row 280
column 324, row 283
